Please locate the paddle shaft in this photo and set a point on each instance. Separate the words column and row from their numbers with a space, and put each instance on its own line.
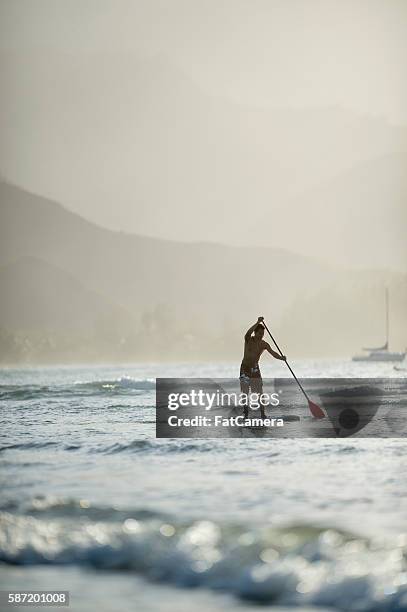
column 286, row 363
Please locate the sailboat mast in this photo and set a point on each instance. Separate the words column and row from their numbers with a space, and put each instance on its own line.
column 387, row 318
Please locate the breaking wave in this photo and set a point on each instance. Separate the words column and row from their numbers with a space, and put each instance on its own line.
column 299, row 565
column 165, row 447
column 121, row 386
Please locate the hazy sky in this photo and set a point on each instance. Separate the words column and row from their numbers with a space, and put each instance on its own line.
column 266, row 52
column 154, row 116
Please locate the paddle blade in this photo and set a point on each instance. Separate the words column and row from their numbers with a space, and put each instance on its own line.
column 316, row 411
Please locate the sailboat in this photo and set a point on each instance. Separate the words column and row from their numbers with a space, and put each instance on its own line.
column 381, row 353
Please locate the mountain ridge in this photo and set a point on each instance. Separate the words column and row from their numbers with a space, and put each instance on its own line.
column 186, row 300
column 135, row 144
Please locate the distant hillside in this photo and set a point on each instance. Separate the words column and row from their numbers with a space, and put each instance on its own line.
column 38, row 296
column 135, row 144
column 359, row 217
column 346, row 315
column 109, row 295
column 199, row 280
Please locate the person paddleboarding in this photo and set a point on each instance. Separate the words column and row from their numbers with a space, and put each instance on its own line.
column 250, row 375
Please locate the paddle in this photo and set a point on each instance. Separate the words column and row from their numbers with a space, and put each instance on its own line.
column 315, row 410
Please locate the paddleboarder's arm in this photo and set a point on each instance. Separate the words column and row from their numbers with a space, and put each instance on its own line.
column 252, row 328
column 273, row 353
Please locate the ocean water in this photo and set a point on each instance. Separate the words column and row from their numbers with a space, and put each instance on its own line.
column 92, row 503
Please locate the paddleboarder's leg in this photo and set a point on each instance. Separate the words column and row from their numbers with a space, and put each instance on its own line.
column 256, row 386
column 244, row 387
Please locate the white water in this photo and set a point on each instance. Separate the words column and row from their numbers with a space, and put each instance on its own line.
column 87, row 488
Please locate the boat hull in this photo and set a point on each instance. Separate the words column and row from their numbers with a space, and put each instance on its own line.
column 380, row 356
